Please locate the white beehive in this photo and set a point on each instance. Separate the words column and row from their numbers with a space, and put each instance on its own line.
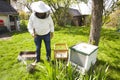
column 83, row 55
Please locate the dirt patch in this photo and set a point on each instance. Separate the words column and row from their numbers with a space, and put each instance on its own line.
column 5, row 36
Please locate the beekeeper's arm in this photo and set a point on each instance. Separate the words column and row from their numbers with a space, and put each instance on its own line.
column 30, row 27
column 51, row 27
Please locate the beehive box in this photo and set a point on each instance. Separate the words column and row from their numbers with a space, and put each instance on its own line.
column 24, row 55
column 83, row 55
column 61, row 51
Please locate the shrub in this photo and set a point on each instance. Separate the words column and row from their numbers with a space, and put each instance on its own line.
column 60, row 71
column 23, row 25
column 23, row 15
column 114, row 19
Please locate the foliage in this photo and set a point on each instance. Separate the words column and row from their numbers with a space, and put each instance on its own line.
column 23, row 25
column 114, row 20
column 97, row 73
column 115, row 4
column 56, row 71
column 61, row 71
column 10, row 69
column 59, row 10
column 58, row 15
column 23, row 15
column 87, row 20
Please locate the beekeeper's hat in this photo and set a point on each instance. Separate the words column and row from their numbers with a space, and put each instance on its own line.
column 40, row 7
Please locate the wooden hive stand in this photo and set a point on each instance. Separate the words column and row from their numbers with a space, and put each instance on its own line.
column 26, row 55
column 61, row 51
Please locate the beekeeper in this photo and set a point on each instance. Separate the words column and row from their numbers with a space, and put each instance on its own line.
column 41, row 27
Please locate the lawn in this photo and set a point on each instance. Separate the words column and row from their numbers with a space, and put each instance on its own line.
column 11, row 69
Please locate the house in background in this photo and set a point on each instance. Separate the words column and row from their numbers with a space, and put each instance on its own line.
column 76, row 18
column 80, row 13
column 8, row 16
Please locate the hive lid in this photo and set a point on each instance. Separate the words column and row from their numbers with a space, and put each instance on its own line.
column 85, row 48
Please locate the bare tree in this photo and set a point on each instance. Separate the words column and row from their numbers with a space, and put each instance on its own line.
column 96, row 21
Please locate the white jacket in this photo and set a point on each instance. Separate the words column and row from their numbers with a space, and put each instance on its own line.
column 41, row 26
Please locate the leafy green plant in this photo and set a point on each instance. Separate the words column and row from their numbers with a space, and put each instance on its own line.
column 23, row 25
column 113, row 20
column 23, row 15
column 97, row 73
column 61, row 71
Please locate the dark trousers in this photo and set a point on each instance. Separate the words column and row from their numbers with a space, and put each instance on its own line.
column 38, row 40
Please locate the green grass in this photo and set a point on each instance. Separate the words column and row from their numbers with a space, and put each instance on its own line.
column 11, row 69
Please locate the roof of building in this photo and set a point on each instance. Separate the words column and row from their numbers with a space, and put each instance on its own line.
column 6, row 8
column 82, row 7
column 74, row 12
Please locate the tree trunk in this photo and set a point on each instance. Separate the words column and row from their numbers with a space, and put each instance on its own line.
column 96, row 21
